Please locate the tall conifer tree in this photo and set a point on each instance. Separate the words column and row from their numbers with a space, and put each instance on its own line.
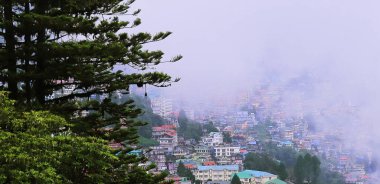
column 57, row 55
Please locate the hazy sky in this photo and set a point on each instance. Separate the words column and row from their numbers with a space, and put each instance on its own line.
column 233, row 44
column 230, row 45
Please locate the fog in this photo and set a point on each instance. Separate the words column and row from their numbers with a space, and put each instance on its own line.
column 229, row 46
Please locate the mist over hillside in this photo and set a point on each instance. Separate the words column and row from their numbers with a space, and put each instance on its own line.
column 323, row 56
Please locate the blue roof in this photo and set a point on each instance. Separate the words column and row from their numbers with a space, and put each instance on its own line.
column 287, row 142
column 219, row 167
column 187, row 161
column 136, row 151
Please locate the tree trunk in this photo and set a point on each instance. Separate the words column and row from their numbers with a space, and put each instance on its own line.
column 41, row 61
column 10, row 49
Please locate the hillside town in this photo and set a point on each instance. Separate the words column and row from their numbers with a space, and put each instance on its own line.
column 228, row 136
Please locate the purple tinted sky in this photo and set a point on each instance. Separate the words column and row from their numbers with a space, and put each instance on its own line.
column 231, row 44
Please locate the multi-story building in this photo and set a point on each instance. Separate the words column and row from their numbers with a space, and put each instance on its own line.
column 157, row 155
column 244, row 116
column 288, row 134
column 255, row 177
column 215, row 173
column 202, row 150
column 166, row 135
column 226, row 151
column 180, row 151
column 213, row 139
column 162, row 107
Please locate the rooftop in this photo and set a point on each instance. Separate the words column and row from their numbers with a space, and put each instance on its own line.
column 219, row 167
column 253, row 174
column 275, row 181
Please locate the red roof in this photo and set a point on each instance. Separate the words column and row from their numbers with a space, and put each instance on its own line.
column 165, row 127
column 190, row 166
column 168, row 126
column 208, row 163
column 169, row 130
column 243, row 151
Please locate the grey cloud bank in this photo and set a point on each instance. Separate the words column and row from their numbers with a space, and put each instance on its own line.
column 233, row 45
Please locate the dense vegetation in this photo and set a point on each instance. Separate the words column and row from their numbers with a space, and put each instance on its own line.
column 189, row 129
column 263, row 162
column 298, row 165
column 227, row 137
column 39, row 147
column 209, row 127
column 64, row 57
column 235, row 179
column 307, row 169
column 182, row 171
column 147, row 115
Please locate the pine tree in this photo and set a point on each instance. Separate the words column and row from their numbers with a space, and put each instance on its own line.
column 281, row 171
column 59, row 55
column 299, row 172
column 235, row 179
column 182, row 171
column 307, row 169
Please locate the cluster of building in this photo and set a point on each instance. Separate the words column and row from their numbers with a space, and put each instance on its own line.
column 213, row 159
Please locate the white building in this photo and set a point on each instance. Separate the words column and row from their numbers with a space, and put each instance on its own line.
column 226, row 151
column 288, row 134
column 162, row 107
column 215, row 173
column 213, row 139
column 242, row 117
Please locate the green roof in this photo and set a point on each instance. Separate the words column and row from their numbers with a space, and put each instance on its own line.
column 275, row 181
column 253, row 174
column 243, row 175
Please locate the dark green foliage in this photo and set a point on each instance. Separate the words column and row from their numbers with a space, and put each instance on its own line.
column 37, row 147
column 182, row 171
column 145, row 142
column 146, row 116
column 299, row 174
column 286, row 155
column 263, row 162
column 183, row 122
column 331, row 177
column 307, row 169
column 194, row 131
column 209, row 127
column 152, row 120
column 49, row 47
column 235, row 180
column 281, row 172
column 227, row 137
column 189, row 129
